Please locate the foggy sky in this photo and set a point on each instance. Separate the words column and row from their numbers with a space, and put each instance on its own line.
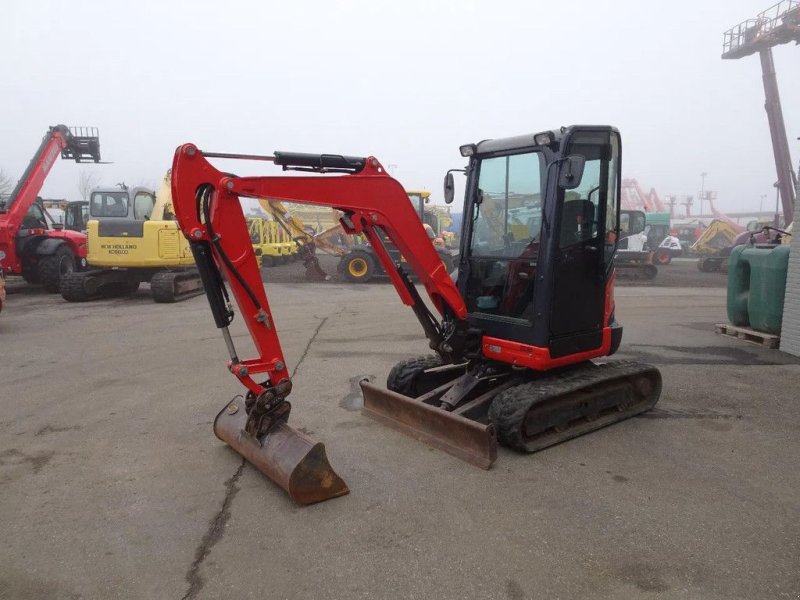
column 407, row 82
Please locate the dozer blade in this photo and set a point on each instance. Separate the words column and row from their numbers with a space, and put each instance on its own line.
column 468, row 440
column 291, row 459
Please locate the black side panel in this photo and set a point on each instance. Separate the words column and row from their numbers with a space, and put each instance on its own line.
column 121, row 228
column 575, row 343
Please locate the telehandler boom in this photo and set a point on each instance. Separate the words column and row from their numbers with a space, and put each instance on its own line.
column 514, row 336
column 28, row 247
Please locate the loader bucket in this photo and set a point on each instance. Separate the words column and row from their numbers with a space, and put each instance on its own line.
column 471, row 441
column 291, row 459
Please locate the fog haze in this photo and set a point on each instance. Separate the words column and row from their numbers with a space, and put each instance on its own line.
column 407, row 82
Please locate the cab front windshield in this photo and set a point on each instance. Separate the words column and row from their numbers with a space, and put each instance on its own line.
column 506, row 227
column 507, row 214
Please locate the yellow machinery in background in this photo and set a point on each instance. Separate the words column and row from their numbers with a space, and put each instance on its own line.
column 273, row 245
column 357, row 262
column 303, row 237
column 133, row 237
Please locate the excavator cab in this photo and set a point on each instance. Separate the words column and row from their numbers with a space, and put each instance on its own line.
column 536, row 262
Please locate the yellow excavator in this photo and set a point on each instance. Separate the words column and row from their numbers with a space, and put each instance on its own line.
column 133, row 237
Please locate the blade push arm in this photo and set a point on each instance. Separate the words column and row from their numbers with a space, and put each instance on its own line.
column 207, row 206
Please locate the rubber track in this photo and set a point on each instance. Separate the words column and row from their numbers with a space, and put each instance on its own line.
column 509, row 408
column 73, row 288
column 162, row 285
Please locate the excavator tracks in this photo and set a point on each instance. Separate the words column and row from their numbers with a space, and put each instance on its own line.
column 174, row 286
column 84, row 286
column 554, row 408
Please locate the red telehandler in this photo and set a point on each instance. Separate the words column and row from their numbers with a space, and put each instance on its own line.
column 28, row 247
column 514, row 337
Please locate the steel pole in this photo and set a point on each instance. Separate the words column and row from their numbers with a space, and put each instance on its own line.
column 777, row 130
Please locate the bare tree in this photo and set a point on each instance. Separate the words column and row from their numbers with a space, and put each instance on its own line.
column 6, row 183
column 86, row 181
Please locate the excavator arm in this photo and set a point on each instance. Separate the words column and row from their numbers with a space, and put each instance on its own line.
column 207, row 206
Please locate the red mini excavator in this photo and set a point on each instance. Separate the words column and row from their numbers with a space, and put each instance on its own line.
column 515, row 336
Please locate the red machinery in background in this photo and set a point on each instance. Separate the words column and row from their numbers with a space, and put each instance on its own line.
column 28, row 247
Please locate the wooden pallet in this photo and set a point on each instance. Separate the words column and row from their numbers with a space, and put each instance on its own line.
column 768, row 340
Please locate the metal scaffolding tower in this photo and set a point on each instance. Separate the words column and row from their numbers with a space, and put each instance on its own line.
column 779, row 24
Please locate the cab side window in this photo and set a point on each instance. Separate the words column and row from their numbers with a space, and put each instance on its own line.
column 143, row 206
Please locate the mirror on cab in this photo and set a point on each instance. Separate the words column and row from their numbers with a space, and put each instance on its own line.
column 449, row 188
column 571, row 171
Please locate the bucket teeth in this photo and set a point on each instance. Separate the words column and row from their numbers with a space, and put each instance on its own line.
column 291, row 459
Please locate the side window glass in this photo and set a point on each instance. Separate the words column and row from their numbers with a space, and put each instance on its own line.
column 143, row 206
column 34, row 218
column 612, row 204
column 591, row 208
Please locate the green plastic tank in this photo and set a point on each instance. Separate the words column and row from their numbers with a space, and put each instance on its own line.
column 756, row 286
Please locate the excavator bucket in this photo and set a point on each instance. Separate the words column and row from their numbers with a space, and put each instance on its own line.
column 470, row 440
column 291, row 459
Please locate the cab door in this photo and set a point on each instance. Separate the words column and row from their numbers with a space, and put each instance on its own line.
column 585, row 239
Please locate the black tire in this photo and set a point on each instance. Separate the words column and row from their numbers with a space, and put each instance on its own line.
column 358, row 267
column 404, row 376
column 649, row 271
column 52, row 268
column 30, row 276
column 507, row 411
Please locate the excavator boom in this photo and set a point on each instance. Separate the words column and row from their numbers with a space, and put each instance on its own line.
column 206, row 203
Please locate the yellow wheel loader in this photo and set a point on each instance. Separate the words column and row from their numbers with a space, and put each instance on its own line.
column 133, row 237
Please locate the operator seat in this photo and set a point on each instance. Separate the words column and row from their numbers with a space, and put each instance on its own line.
column 577, row 218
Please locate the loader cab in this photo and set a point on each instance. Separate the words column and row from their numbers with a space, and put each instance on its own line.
column 633, row 230
column 539, row 236
column 35, row 218
column 76, row 216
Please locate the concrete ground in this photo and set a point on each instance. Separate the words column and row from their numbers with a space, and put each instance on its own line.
column 112, row 484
